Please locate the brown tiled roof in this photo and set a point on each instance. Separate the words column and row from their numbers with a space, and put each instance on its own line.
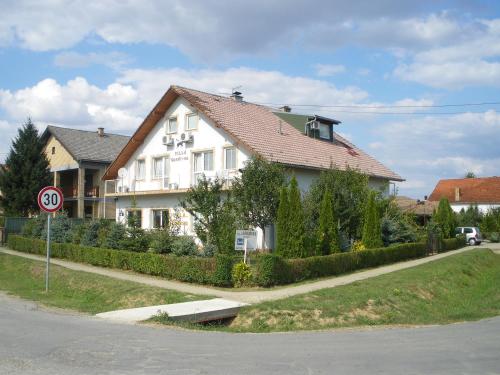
column 257, row 128
column 471, row 190
column 416, row 207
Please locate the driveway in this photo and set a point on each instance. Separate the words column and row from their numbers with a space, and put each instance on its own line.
column 36, row 341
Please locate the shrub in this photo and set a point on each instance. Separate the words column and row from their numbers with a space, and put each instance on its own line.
column 241, row 274
column 452, row 243
column 223, row 268
column 161, row 241
column 270, row 269
column 358, row 246
column 372, row 233
column 91, row 235
column 494, row 237
column 77, row 233
column 60, row 229
column 116, row 234
column 184, row 245
column 34, row 227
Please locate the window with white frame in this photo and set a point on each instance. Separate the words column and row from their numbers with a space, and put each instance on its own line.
column 160, row 218
column 191, row 121
column 202, row 162
column 140, row 169
column 324, row 131
column 172, row 125
column 229, row 158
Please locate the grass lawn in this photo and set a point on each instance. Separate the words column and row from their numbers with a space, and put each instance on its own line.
column 457, row 288
column 77, row 290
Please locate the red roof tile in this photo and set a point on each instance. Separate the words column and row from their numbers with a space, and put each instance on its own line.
column 471, row 190
column 257, row 128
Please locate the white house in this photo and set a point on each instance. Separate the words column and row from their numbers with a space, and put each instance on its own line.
column 189, row 133
column 482, row 192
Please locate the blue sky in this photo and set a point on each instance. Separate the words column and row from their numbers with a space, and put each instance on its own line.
column 86, row 64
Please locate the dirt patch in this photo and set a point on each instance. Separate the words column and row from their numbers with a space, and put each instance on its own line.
column 367, row 312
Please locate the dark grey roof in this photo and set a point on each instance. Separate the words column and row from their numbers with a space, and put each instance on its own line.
column 88, row 145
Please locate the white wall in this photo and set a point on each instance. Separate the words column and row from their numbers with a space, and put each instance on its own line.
column 482, row 207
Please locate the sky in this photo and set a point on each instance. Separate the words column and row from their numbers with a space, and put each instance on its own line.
column 416, row 84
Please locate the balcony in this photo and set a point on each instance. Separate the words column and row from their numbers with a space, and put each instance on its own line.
column 72, row 191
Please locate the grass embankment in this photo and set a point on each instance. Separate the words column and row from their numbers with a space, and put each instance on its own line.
column 458, row 288
column 79, row 291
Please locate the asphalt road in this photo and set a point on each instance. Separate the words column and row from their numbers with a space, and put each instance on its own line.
column 37, row 341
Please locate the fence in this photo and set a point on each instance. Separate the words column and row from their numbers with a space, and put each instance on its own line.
column 14, row 225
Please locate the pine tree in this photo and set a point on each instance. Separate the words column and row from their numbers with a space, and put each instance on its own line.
column 327, row 231
column 25, row 173
column 283, row 216
column 372, row 233
column 296, row 224
column 445, row 218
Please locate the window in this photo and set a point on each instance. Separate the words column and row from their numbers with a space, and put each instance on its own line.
column 468, row 230
column 203, row 161
column 324, row 131
column 160, row 218
column 230, row 158
column 172, row 125
column 140, row 171
column 53, row 150
column 191, row 121
column 137, row 216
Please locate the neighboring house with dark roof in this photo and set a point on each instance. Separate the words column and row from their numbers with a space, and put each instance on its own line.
column 78, row 160
column 464, row 192
column 190, row 133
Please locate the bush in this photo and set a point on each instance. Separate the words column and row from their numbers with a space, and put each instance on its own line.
column 190, row 269
column 223, row 268
column 161, row 241
column 452, row 243
column 241, row 274
column 358, row 246
column 271, row 269
column 494, row 237
column 184, row 245
column 91, row 235
column 60, row 229
column 34, row 227
column 116, row 234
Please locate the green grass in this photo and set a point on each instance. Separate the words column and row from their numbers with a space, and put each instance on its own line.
column 457, row 288
column 77, row 290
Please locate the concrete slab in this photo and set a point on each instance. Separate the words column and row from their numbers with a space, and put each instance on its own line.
column 195, row 311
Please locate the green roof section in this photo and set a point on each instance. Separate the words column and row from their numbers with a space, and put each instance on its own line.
column 296, row 120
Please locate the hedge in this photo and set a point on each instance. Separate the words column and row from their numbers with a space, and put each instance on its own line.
column 271, row 269
column 185, row 268
column 452, row 244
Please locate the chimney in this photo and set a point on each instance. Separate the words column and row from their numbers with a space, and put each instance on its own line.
column 286, row 109
column 100, row 132
column 236, row 95
column 457, row 194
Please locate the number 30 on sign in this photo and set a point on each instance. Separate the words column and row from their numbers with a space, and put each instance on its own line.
column 50, row 199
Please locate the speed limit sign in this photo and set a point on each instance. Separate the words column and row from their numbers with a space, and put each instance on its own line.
column 50, row 199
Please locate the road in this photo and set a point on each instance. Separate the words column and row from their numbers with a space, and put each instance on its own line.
column 38, row 341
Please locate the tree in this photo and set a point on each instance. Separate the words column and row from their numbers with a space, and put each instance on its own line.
column 327, row 231
column 256, row 192
column 25, row 173
column 282, row 219
column 471, row 217
column 470, row 174
column 296, row 227
column 214, row 217
column 349, row 191
column 444, row 217
column 372, row 233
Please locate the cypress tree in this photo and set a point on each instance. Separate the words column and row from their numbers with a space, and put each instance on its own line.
column 25, row 173
column 372, row 233
column 283, row 216
column 445, row 218
column 327, row 231
column 296, row 225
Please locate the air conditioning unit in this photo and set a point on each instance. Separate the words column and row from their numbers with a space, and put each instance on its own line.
column 173, row 186
column 167, row 140
column 314, row 125
column 190, row 138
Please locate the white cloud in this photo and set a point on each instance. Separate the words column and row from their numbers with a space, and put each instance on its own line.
column 327, row 70
column 73, row 59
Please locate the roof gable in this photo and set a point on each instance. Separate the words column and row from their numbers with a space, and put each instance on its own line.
column 470, row 190
column 262, row 132
column 86, row 145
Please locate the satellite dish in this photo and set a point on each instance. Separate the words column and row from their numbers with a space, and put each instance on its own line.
column 122, row 172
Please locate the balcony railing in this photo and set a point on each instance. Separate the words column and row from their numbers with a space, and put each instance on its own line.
column 72, row 191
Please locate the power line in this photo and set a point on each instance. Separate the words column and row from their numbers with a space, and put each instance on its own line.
column 381, row 106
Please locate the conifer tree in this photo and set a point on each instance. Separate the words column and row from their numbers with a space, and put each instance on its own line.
column 327, row 231
column 25, row 173
column 296, row 224
column 283, row 216
column 445, row 218
column 372, row 233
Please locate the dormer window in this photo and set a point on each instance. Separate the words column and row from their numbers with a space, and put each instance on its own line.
column 325, row 131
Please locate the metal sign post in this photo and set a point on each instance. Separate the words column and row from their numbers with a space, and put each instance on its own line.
column 50, row 200
column 245, row 240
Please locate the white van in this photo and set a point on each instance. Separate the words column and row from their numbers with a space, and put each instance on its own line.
column 472, row 235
